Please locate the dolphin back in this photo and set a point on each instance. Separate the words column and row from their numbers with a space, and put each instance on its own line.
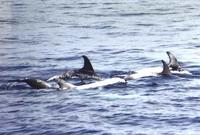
column 34, row 83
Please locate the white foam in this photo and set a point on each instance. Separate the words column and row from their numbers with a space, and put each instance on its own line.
column 117, row 96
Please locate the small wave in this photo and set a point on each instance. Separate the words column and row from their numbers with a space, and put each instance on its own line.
column 66, row 58
column 87, row 3
column 112, row 3
column 117, row 96
column 10, row 68
column 146, row 14
column 68, row 7
column 94, row 26
column 9, row 21
column 192, row 98
column 146, row 25
column 18, row 4
column 133, row 14
column 81, row 131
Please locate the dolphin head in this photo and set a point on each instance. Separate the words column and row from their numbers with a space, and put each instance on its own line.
column 35, row 83
column 62, row 84
column 54, row 77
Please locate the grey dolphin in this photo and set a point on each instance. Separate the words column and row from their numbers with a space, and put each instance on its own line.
column 175, row 67
column 34, row 83
column 86, row 72
column 166, row 70
column 173, row 62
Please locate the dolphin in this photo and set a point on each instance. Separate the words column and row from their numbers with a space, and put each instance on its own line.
column 40, row 84
column 86, row 72
column 174, row 66
column 146, row 72
column 34, row 83
column 63, row 85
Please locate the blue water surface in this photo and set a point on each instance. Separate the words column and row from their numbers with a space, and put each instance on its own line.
column 46, row 37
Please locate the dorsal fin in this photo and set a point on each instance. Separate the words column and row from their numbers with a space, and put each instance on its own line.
column 173, row 62
column 166, row 70
column 87, row 67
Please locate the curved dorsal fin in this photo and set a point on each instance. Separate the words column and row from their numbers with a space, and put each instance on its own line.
column 87, row 67
column 166, row 70
column 173, row 62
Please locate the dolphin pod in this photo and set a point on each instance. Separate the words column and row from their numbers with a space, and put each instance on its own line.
column 87, row 72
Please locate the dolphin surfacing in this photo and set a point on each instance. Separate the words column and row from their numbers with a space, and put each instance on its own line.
column 86, row 72
column 146, row 72
column 40, row 84
column 34, row 83
column 110, row 81
column 174, row 65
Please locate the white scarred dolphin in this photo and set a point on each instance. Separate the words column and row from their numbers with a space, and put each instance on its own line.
column 146, row 72
column 63, row 85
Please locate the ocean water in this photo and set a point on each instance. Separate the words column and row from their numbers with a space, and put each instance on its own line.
column 46, row 37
